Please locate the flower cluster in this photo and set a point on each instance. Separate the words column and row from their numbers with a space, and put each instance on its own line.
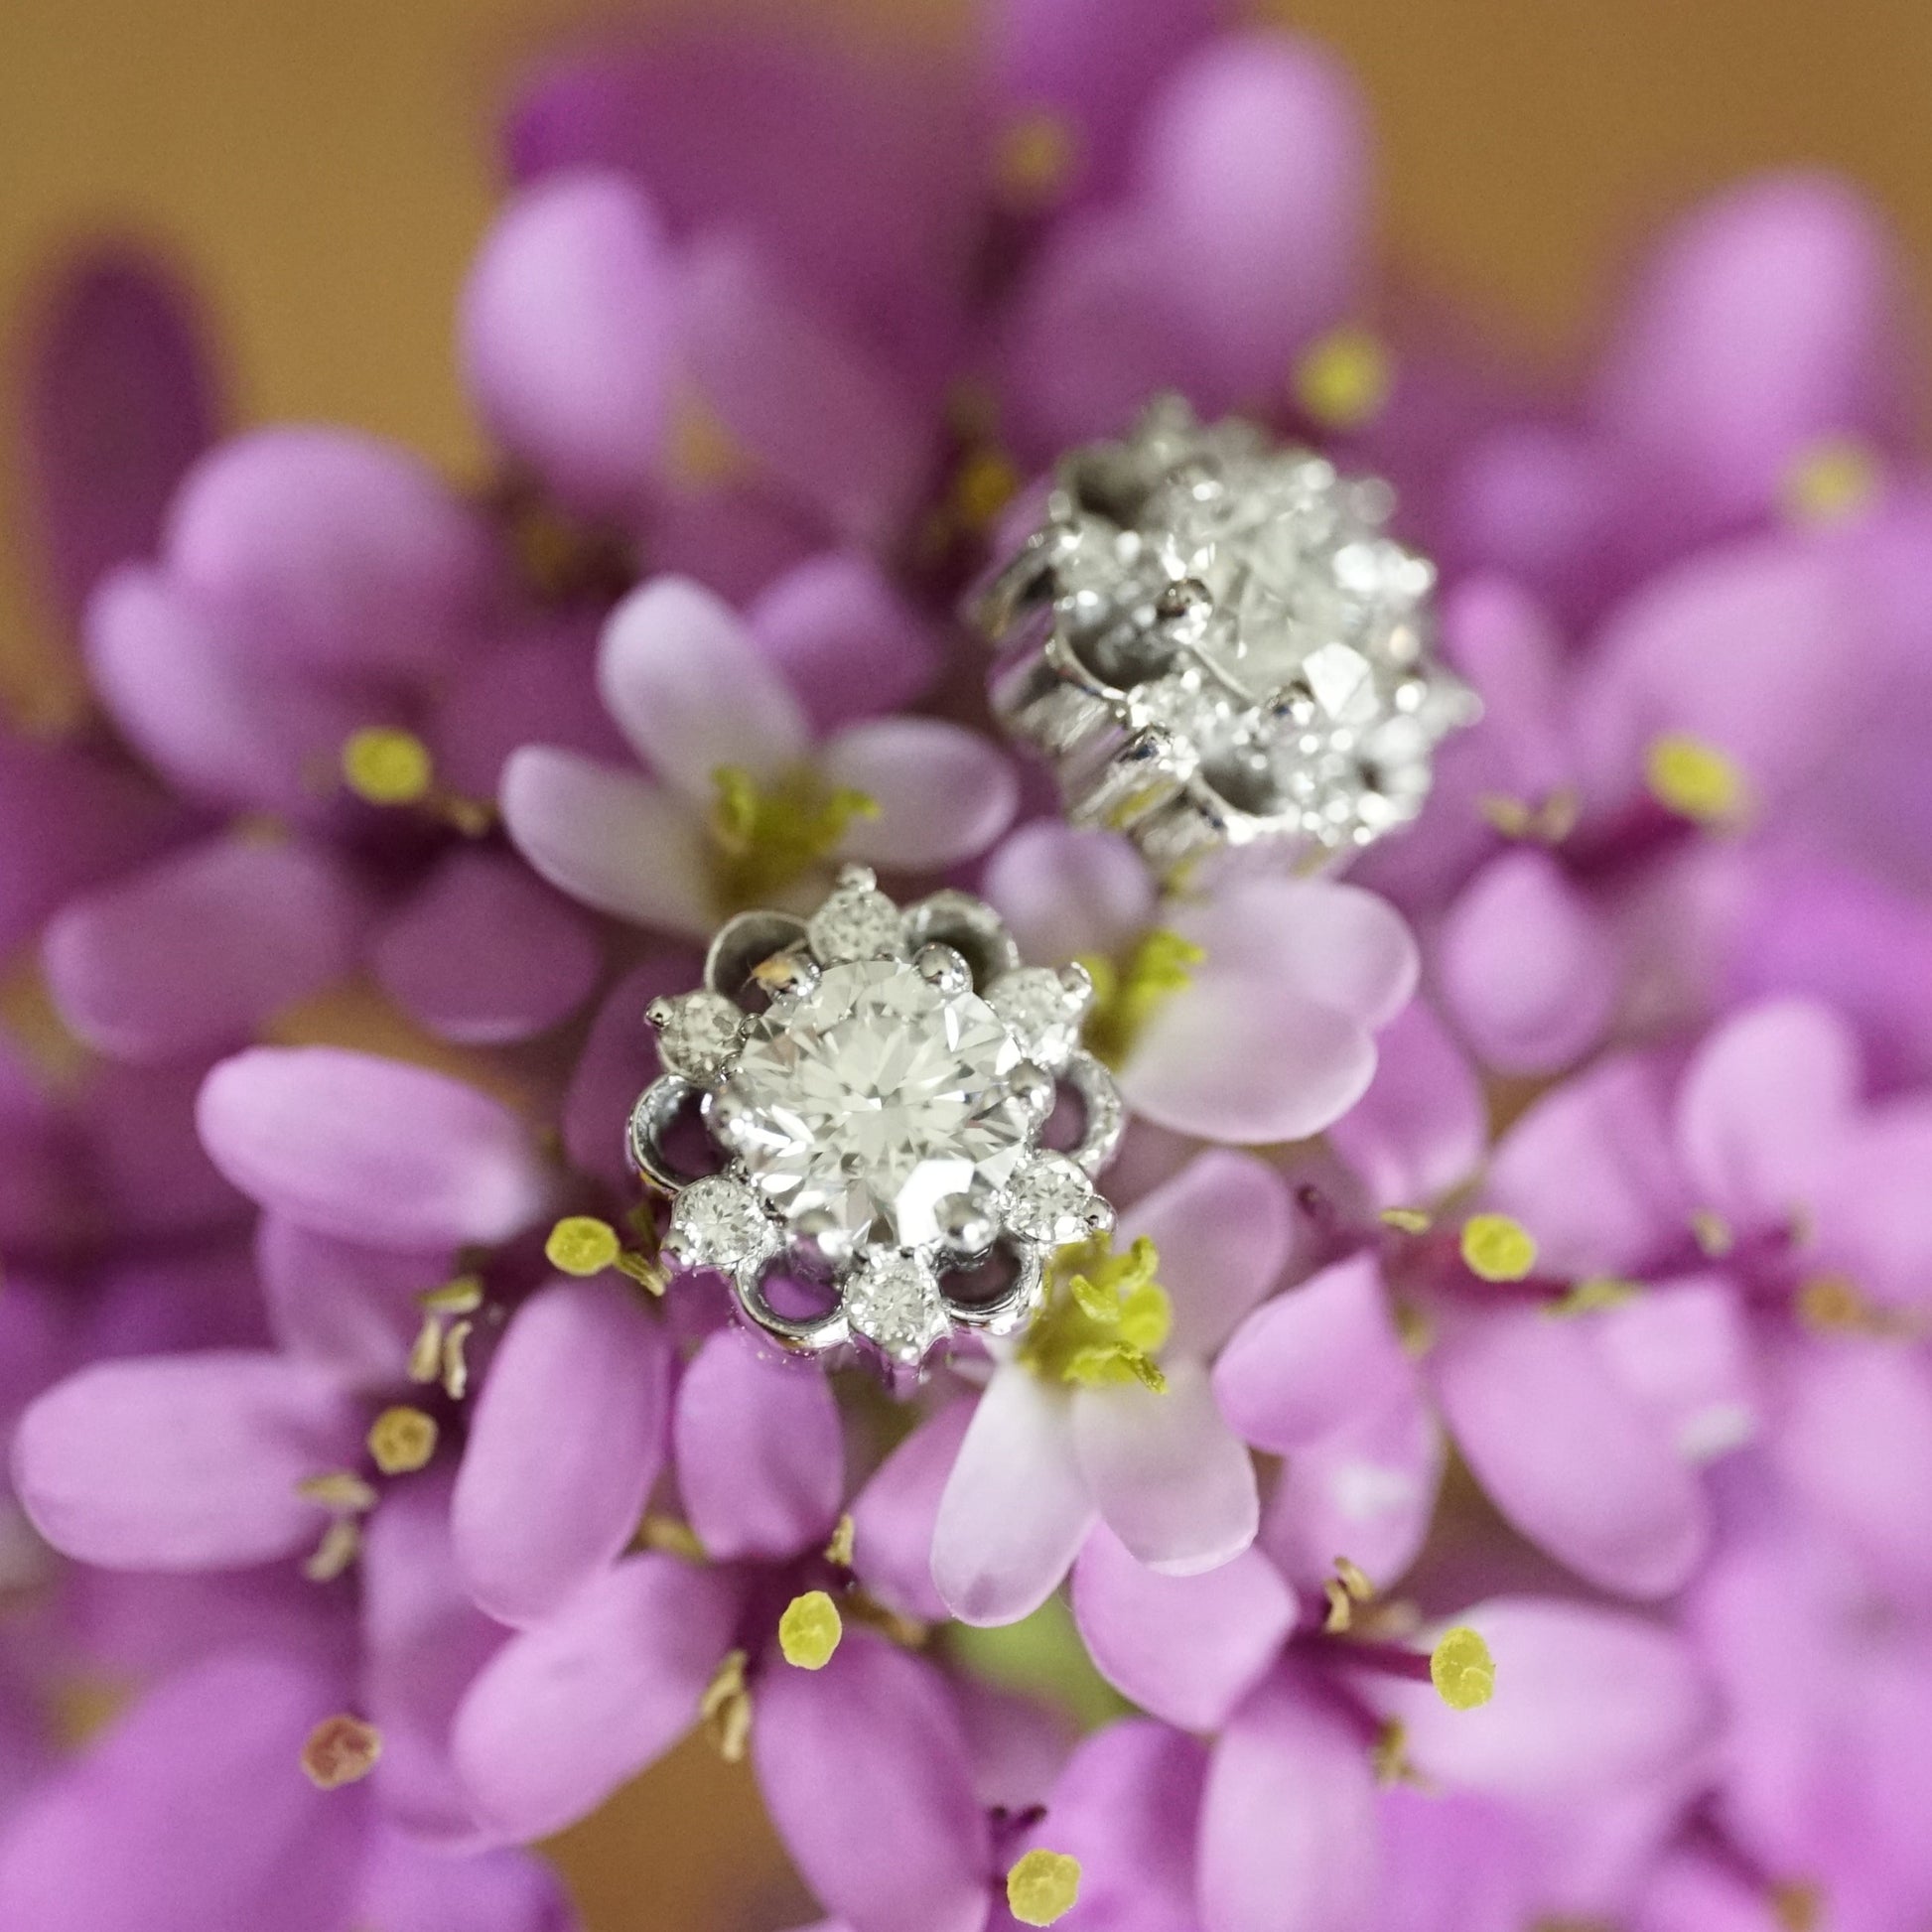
column 1483, row 1476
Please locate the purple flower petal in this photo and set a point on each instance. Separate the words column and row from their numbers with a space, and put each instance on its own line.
column 184, row 1462
column 1015, row 1508
column 1126, row 1805
column 863, row 1770
column 1185, row 1648
column 192, row 1816
column 1764, row 1108
column 224, row 730
column 565, row 1441
column 192, row 954
column 485, row 955
column 893, row 1515
column 1683, row 1348
column 609, row 839
column 1172, row 1481
column 826, row 422
column 1529, row 967
column 846, row 641
column 576, row 1706
column 370, row 1150
column 1567, row 1453
column 760, row 1458
column 122, row 400
column 1255, row 168
column 943, row 794
column 1421, row 1127
column 1767, row 321
column 1366, row 1492
column 349, row 1310
column 408, row 1887
column 1312, row 1359
column 618, row 1062
column 1586, row 1700
column 567, row 337
column 330, row 551
column 1855, row 1441
column 1231, row 1059
column 1064, row 892
column 692, row 691
column 1338, row 945
column 68, row 822
column 1287, row 1833
column 1223, row 1229
column 1589, row 1171
column 425, row 1640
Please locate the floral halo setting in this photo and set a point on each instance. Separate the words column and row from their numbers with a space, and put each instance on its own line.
column 879, row 1082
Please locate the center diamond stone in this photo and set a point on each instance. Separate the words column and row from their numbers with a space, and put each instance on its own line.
column 869, row 1101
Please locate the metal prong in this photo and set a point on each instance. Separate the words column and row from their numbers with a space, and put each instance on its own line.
column 1077, row 983
column 680, row 1248
column 944, row 967
column 856, row 879
column 1032, row 1086
column 658, row 1013
column 786, row 975
column 1098, row 1215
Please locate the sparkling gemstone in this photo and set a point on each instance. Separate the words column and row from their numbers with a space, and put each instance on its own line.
column 1040, row 1012
column 701, row 1035
column 893, row 1300
column 1049, row 1201
column 861, row 924
column 872, row 1100
column 722, row 1220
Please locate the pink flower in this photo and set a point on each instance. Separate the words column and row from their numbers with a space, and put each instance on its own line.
column 741, row 800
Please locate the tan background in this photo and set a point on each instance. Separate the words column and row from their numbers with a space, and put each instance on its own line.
column 323, row 172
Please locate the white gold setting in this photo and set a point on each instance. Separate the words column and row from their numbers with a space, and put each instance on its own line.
column 1219, row 649
column 878, row 1082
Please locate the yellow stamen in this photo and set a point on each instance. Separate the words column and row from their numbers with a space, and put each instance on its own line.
column 1035, row 159
column 1696, row 780
column 1405, row 1221
column 1414, row 1329
column 1126, row 997
column 1105, row 1318
column 402, row 1440
column 1798, row 1906
column 1462, row 1670
column 463, row 1295
column 85, row 1705
column 1711, row 1232
column 1043, row 1887
column 581, row 1244
column 811, row 1629
column 386, row 766
column 725, row 1709
column 839, row 1551
column 984, row 484
column 341, row 1750
column 1388, row 1756
column 1596, row 1292
column 670, row 1534
column 341, row 1490
column 1349, row 1587
column 1548, row 822
column 1344, row 380
column 340, row 1545
column 1496, row 1248
column 1830, row 481
column 701, row 453
column 456, row 1364
column 768, row 835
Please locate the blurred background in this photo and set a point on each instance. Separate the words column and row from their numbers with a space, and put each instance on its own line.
column 319, row 176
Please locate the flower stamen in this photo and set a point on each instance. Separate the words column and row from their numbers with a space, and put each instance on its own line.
column 1126, row 995
column 725, row 1709
column 1343, row 378
column 582, row 1245
column 1462, row 1670
column 1496, row 1248
column 1105, row 1320
column 1696, row 780
column 341, row 1750
column 768, row 834
column 1043, row 1887
column 809, row 1630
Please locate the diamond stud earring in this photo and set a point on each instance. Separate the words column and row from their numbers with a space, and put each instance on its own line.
column 875, row 1085
column 1219, row 649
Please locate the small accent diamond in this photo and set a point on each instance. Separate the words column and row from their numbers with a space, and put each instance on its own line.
column 701, row 1032
column 892, row 1298
column 855, row 924
column 719, row 1222
column 1043, row 1017
column 1051, row 1200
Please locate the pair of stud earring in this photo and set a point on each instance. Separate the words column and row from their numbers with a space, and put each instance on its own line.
column 1224, row 657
